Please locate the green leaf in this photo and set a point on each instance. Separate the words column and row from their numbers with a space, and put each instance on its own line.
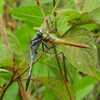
column 70, row 13
column 13, row 50
column 1, row 6
column 29, row 14
column 11, row 92
column 27, row 2
column 95, row 15
column 83, row 59
column 83, row 86
column 67, row 4
column 90, row 5
column 24, row 34
column 48, row 95
column 64, row 17
column 87, row 5
column 5, row 75
column 45, row 1
column 14, row 44
column 89, row 27
column 44, row 60
column 59, row 89
column 5, row 57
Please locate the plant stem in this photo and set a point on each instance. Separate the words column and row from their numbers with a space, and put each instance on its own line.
column 54, row 2
column 23, row 94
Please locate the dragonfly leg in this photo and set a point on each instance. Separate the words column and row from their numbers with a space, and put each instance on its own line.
column 57, row 59
column 63, row 71
column 62, row 64
column 43, row 47
column 66, row 71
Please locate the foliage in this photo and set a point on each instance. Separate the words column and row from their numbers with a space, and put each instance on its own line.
column 73, row 21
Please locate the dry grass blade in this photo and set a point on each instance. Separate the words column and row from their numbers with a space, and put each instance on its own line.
column 3, row 32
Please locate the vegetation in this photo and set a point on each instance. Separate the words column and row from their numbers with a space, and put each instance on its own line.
column 49, row 49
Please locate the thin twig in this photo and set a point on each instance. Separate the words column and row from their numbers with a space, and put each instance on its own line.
column 56, row 5
column 41, row 9
column 54, row 13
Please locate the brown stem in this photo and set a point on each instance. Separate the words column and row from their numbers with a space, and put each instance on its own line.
column 22, row 91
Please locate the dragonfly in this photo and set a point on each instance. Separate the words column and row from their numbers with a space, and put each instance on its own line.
column 48, row 42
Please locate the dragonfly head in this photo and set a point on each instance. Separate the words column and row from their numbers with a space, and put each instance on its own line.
column 39, row 34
